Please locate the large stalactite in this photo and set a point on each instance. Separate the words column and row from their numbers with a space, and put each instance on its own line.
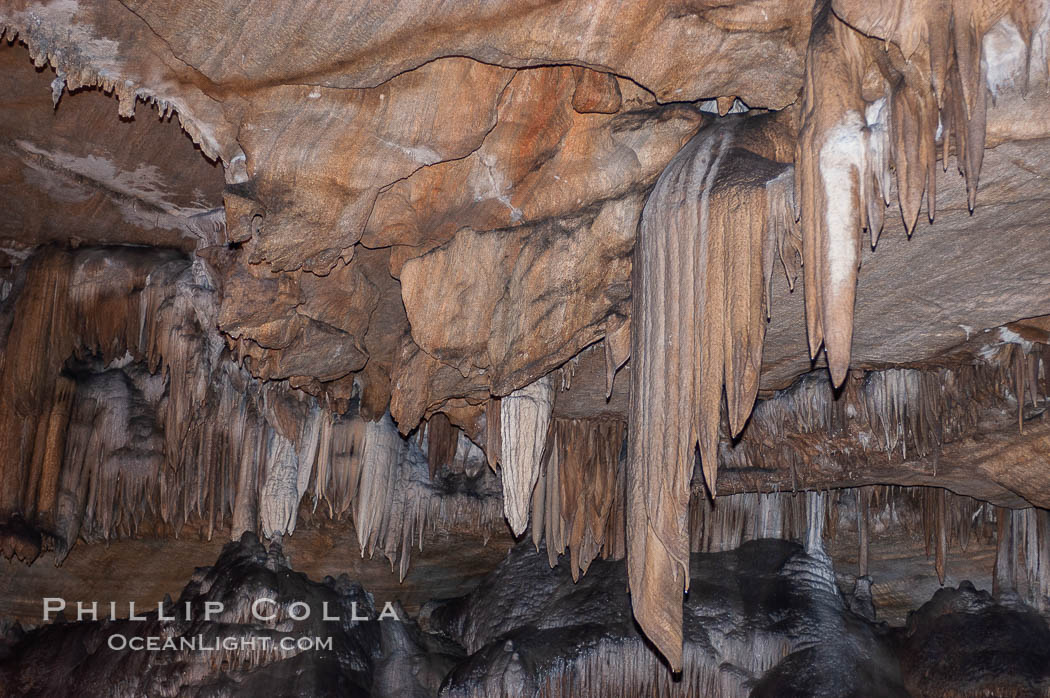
column 524, row 419
column 871, row 107
column 707, row 241
column 701, row 270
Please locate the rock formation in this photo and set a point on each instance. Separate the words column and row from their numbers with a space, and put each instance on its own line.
column 631, row 284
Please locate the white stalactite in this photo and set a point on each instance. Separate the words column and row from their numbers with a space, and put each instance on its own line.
column 379, row 462
column 309, row 443
column 525, row 416
column 815, row 502
column 279, row 501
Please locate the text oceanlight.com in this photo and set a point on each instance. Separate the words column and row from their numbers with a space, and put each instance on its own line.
column 200, row 643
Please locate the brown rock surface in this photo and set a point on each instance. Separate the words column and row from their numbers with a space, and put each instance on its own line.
column 74, row 171
column 366, row 44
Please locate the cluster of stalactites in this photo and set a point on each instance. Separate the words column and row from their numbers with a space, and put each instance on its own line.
column 1023, row 370
column 264, row 452
column 899, row 412
column 870, row 109
column 578, row 501
column 949, row 521
column 113, row 307
column 717, row 218
column 72, row 72
column 158, row 427
column 902, row 412
column 725, row 522
column 565, row 476
column 234, row 466
column 942, row 520
column 877, row 98
column 386, row 483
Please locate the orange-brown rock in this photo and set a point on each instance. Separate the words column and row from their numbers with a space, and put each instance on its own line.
column 542, row 160
column 79, row 173
column 488, row 304
column 315, row 198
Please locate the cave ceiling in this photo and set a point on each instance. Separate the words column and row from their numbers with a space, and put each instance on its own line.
column 772, row 245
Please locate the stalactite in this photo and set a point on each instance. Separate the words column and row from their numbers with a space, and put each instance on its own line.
column 568, row 370
column 831, row 521
column 617, row 349
column 525, row 417
column 39, row 342
column 442, row 439
column 815, row 504
column 308, row 448
column 1035, row 526
column 248, row 427
column 862, row 532
column 135, row 419
column 833, row 172
column 941, row 533
column 493, row 444
column 338, row 471
column 578, row 499
column 1003, row 579
column 871, row 106
column 702, row 264
column 48, row 456
column 1022, row 559
column 903, row 412
column 379, row 461
column 278, row 501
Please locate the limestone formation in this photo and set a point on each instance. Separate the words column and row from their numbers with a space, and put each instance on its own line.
column 524, row 417
column 634, row 282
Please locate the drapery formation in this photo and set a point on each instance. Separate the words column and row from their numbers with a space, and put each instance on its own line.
column 706, row 244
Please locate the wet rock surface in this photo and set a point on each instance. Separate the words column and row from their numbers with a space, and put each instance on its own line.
column 754, row 617
column 963, row 642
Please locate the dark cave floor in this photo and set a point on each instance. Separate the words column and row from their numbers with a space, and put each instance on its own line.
column 764, row 619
